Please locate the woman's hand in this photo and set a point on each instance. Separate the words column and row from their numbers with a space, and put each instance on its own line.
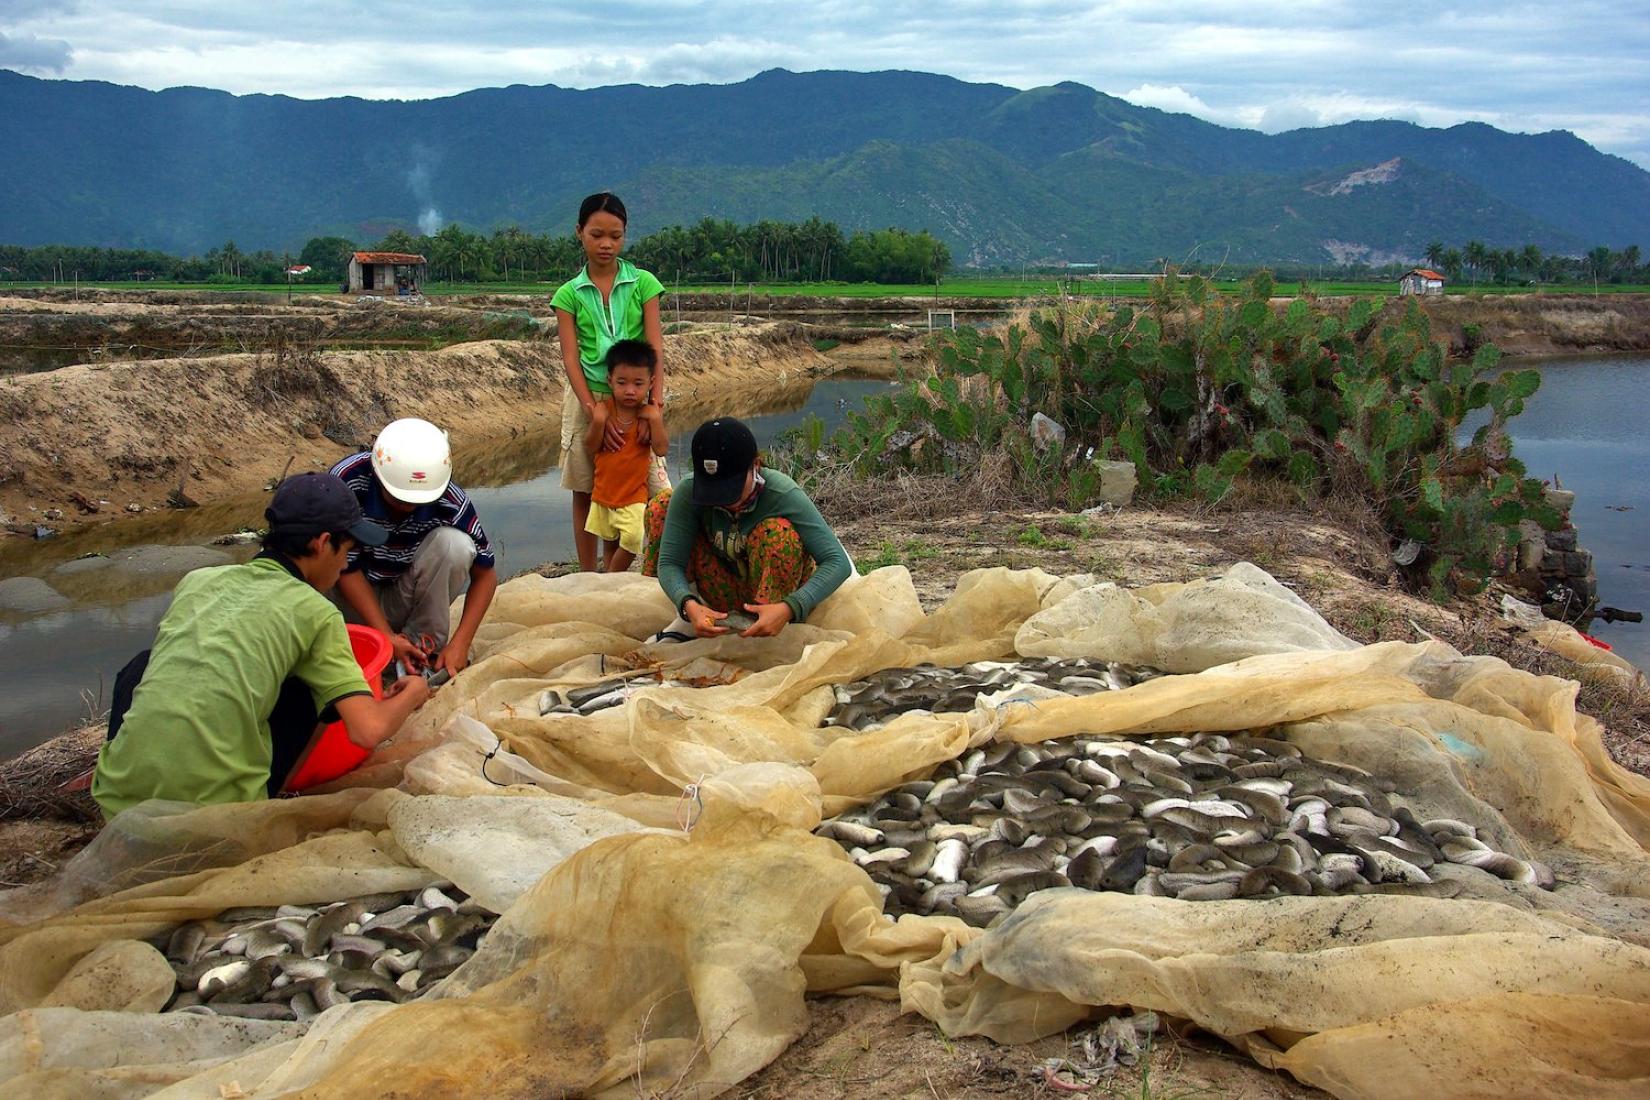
column 651, row 417
column 704, row 620
column 770, row 619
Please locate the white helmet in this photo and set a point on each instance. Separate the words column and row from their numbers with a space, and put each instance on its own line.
column 413, row 460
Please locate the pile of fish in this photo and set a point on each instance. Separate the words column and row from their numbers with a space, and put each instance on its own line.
column 590, row 699
column 869, row 703
column 1208, row 817
column 291, row 962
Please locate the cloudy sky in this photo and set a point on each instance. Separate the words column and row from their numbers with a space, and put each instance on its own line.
column 1579, row 65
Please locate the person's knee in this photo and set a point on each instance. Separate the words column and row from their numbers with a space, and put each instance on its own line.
column 776, row 532
column 446, row 548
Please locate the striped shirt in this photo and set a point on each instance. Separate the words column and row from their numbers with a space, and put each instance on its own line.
column 386, row 563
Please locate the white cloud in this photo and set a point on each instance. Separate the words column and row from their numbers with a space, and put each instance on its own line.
column 27, row 53
column 1178, row 100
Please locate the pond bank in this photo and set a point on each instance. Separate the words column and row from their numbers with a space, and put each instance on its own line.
column 90, row 442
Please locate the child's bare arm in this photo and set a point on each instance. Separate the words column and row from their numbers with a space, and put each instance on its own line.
column 593, row 434
column 655, row 417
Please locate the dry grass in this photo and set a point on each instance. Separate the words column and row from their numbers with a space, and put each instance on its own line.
column 30, row 784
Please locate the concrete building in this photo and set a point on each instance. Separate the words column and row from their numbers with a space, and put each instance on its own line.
column 1420, row 280
column 387, row 273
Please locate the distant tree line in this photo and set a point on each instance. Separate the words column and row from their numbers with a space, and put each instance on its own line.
column 711, row 251
column 1508, row 266
column 65, row 263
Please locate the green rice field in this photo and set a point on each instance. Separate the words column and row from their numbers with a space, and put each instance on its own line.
column 962, row 286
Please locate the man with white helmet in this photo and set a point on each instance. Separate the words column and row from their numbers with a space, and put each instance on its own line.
column 435, row 549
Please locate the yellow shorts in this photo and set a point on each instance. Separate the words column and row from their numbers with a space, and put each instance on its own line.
column 621, row 525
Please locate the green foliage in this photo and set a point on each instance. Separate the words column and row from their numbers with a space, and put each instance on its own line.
column 909, row 552
column 1201, row 390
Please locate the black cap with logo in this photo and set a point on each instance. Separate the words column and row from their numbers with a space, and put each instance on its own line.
column 308, row 504
column 723, row 452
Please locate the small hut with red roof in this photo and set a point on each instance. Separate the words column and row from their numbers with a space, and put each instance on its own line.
column 387, row 273
column 1421, row 280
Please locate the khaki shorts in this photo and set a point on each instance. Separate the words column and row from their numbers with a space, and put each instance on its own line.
column 621, row 525
column 578, row 469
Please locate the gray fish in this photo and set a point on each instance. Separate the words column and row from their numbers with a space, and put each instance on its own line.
column 254, row 1011
column 980, row 911
column 443, row 960
column 185, row 943
column 1262, row 880
column 328, row 923
column 1015, row 889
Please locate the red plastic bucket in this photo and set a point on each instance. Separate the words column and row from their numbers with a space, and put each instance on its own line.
column 334, row 753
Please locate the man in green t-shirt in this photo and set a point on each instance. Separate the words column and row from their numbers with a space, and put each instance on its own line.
column 247, row 662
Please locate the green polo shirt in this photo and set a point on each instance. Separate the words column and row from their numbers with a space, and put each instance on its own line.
column 198, row 727
column 603, row 324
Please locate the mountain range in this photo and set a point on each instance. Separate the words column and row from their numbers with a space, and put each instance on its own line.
column 1003, row 176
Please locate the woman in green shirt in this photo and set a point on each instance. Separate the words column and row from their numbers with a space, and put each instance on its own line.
column 609, row 300
column 735, row 539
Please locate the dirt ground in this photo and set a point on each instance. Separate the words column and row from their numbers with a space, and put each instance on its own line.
column 859, row 1047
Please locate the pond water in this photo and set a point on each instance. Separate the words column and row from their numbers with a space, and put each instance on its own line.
column 1585, row 424
column 60, row 662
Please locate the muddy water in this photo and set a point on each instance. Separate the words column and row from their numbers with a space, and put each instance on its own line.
column 110, row 584
column 1586, row 425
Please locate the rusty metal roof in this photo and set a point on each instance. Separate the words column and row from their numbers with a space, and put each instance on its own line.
column 1425, row 273
column 389, row 258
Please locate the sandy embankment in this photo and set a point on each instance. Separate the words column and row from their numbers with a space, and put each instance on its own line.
column 124, row 432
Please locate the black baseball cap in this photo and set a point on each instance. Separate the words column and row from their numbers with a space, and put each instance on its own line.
column 723, row 453
column 308, row 504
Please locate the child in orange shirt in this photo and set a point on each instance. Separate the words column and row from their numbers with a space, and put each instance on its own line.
column 619, row 494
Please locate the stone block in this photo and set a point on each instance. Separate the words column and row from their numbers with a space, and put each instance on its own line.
column 1578, row 564
column 1046, row 433
column 1562, row 540
column 1117, row 481
column 1561, row 499
column 1531, row 545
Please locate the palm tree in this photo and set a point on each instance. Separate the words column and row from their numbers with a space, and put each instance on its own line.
column 1476, row 255
column 1598, row 262
column 1529, row 260
column 1435, row 253
column 1629, row 258
column 1451, row 259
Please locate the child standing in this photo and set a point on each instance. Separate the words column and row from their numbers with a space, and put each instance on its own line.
column 609, row 300
column 619, row 487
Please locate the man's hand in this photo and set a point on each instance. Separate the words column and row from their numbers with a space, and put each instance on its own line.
column 704, row 620
column 770, row 619
column 408, row 652
column 454, row 656
column 414, row 687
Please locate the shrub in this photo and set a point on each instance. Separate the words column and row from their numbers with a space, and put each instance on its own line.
column 1198, row 390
